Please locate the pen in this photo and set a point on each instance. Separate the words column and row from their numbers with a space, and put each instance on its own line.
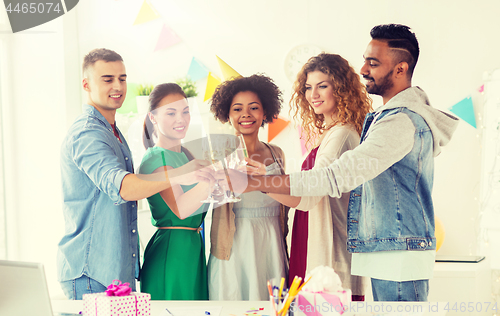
column 271, row 298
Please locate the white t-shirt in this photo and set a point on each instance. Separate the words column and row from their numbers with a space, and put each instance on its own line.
column 396, row 266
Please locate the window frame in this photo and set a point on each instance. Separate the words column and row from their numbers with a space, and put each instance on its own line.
column 3, row 202
column 5, row 37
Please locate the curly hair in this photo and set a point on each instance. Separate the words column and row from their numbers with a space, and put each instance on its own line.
column 264, row 87
column 352, row 101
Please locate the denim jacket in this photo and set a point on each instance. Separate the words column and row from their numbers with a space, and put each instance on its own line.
column 100, row 239
column 391, row 174
column 394, row 210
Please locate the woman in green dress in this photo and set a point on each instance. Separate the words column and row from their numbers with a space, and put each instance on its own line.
column 174, row 260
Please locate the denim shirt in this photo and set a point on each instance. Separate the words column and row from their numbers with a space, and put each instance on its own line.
column 100, row 239
column 394, row 210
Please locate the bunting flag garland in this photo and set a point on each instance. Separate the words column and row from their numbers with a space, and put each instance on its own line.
column 276, row 127
column 303, row 148
column 167, row 38
column 212, row 83
column 227, row 71
column 146, row 13
column 197, row 70
column 465, row 110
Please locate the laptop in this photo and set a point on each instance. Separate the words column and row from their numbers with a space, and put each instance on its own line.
column 23, row 290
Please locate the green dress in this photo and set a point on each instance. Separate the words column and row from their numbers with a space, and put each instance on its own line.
column 174, row 260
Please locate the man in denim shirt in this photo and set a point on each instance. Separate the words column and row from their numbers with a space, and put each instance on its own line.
column 391, row 216
column 100, row 188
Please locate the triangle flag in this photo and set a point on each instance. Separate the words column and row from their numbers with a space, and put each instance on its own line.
column 212, row 83
column 146, row 13
column 465, row 110
column 227, row 72
column 197, row 70
column 167, row 38
column 303, row 148
column 276, row 127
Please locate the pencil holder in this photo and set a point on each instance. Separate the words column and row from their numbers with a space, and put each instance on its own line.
column 283, row 305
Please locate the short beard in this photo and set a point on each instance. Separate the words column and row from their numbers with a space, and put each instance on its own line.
column 384, row 85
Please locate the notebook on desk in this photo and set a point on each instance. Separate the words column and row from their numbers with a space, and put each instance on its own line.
column 23, row 290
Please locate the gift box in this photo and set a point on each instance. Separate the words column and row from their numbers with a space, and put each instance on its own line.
column 321, row 303
column 99, row 304
column 117, row 300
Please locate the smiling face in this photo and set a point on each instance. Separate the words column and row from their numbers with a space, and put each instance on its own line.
column 246, row 113
column 106, row 86
column 378, row 69
column 171, row 119
column 320, row 95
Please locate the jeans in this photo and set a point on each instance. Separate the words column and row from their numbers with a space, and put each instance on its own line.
column 74, row 289
column 392, row 291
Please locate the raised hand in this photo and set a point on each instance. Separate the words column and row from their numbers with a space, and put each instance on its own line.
column 238, row 180
column 253, row 167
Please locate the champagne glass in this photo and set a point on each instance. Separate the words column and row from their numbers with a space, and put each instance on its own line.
column 208, row 154
column 231, row 160
column 217, row 148
column 242, row 151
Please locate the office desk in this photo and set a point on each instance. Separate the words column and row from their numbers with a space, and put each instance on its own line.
column 241, row 308
column 463, row 284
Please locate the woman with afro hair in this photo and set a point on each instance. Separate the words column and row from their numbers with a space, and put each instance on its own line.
column 248, row 237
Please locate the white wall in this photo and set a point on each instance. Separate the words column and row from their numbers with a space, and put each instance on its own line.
column 34, row 124
column 457, row 39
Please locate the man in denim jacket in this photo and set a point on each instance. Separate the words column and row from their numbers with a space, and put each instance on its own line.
column 391, row 215
column 100, row 243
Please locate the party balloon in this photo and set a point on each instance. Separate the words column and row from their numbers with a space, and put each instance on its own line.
column 439, row 231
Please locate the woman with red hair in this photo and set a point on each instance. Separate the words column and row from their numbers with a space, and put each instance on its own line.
column 331, row 103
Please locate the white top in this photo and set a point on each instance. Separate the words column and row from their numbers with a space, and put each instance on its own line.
column 258, row 252
column 327, row 217
column 404, row 265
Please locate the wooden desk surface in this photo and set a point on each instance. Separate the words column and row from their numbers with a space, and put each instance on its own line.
column 241, row 308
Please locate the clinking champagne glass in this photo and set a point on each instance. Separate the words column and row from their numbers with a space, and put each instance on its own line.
column 242, row 151
column 232, row 162
column 208, row 154
column 217, row 149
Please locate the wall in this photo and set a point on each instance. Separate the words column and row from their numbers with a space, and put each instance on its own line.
column 34, row 123
column 457, row 46
column 252, row 39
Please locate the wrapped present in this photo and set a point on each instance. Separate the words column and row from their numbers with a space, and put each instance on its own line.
column 323, row 294
column 117, row 300
column 322, row 303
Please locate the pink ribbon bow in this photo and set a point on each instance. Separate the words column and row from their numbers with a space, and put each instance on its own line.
column 118, row 289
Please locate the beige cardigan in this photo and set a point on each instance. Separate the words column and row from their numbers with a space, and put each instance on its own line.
column 223, row 227
column 328, row 216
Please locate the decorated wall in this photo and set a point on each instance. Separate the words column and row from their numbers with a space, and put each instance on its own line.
column 167, row 40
